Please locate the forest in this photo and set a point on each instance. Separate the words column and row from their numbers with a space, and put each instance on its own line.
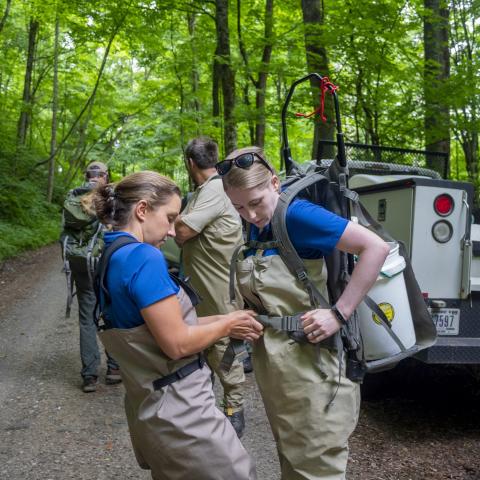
column 129, row 82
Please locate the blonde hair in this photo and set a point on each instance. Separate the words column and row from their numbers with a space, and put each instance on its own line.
column 114, row 202
column 86, row 201
column 257, row 176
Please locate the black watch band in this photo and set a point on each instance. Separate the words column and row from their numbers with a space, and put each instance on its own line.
column 339, row 315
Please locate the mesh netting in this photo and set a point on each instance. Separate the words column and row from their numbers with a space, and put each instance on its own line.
column 420, row 162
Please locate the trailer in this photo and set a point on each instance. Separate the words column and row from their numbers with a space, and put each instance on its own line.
column 432, row 217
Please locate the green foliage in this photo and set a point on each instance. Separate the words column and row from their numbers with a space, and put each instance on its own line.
column 135, row 84
column 15, row 238
column 26, row 220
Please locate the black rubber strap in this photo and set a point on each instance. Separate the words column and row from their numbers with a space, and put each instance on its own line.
column 339, row 315
column 384, row 322
column 192, row 294
column 182, row 372
column 235, row 351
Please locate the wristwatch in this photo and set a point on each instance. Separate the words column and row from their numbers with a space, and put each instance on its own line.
column 339, row 315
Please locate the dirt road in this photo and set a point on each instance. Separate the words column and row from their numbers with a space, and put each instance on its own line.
column 424, row 426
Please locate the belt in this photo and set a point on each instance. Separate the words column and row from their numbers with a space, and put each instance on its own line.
column 179, row 374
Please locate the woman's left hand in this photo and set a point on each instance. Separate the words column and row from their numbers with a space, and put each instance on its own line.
column 320, row 324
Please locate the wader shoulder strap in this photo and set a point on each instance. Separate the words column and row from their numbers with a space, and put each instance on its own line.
column 192, row 294
column 101, row 273
column 285, row 247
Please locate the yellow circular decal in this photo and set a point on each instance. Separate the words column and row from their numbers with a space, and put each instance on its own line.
column 388, row 310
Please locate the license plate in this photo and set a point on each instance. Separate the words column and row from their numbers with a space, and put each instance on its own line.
column 447, row 320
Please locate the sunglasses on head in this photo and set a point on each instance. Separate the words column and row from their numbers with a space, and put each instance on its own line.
column 94, row 174
column 245, row 161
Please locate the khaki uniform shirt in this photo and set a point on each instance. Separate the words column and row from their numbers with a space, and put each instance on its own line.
column 206, row 257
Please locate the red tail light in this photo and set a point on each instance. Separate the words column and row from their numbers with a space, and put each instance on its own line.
column 443, row 205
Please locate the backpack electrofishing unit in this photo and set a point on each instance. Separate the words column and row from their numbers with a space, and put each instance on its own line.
column 393, row 321
column 81, row 239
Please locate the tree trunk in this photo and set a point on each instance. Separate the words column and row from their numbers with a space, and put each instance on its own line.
column 436, row 73
column 194, row 73
column 470, row 149
column 371, row 130
column 260, row 83
column 317, row 62
column 26, row 109
column 181, row 89
column 227, row 75
column 251, row 124
column 263, row 75
column 5, row 15
column 53, row 138
column 216, row 80
column 88, row 104
column 466, row 105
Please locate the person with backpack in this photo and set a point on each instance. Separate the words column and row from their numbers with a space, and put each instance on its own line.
column 208, row 230
column 310, row 403
column 148, row 322
column 82, row 242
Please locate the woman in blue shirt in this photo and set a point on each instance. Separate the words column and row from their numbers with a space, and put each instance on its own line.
column 299, row 380
column 155, row 335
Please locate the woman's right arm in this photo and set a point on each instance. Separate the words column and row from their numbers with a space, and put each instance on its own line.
column 178, row 340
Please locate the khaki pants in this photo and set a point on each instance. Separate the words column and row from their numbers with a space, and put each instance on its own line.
column 232, row 381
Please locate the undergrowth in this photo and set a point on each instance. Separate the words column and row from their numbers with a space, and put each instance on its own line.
column 27, row 221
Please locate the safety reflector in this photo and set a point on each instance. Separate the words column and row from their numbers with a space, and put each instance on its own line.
column 443, row 205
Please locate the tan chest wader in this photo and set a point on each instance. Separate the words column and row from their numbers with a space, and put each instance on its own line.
column 206, row 258
column 298, row 381
column 175, row 427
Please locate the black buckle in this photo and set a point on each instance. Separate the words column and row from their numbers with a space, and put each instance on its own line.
column 302, row 276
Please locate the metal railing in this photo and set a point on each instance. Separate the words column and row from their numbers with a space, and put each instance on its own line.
column 437, row 161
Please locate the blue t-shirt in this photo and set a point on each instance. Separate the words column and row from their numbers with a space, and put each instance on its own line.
column 137, row 277
column 313, row 230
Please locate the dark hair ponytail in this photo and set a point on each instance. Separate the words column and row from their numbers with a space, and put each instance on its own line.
column 114, row 202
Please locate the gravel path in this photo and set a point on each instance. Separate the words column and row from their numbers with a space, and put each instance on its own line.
column 425, row 424
column 50, row 429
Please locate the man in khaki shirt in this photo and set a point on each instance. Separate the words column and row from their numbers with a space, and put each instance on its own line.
column 208, row 230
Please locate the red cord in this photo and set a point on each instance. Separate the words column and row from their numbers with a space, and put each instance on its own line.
column 325, row 85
